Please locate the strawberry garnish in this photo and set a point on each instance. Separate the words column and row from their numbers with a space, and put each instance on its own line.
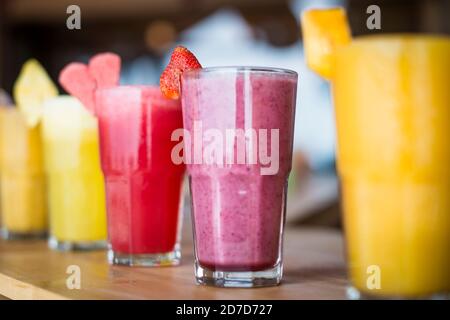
column 180, row 61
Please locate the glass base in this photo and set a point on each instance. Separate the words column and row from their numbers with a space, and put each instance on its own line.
column 355, row 294
column 60, row 245
column 12, row 235
column 239, row 279
column 145, row 260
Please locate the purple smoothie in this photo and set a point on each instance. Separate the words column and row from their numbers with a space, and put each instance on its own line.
column 238, row 214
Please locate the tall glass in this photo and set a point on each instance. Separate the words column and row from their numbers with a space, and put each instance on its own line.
column 239, row 126
column 76, row 194
column 23, row 195
column 143, row 185
column 392, row 105
column 2, row 108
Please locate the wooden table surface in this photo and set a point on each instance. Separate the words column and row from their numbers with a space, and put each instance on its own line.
column 314, row 269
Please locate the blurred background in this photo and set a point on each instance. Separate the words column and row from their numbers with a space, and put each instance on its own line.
column 219, row 32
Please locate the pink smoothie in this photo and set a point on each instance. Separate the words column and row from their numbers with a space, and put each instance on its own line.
column 239, row 213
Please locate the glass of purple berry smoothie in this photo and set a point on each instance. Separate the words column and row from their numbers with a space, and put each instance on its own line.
column 238, row 134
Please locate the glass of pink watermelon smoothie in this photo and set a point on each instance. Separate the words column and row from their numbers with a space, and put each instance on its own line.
column 240, row 123
column 143, row 185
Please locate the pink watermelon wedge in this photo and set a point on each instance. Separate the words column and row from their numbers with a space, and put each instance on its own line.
column 82, row 81
column 76, row 80
column 105, row 68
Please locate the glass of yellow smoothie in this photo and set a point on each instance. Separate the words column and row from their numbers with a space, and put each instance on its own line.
column 76, row 193
column 392, row 104
column 22, row 197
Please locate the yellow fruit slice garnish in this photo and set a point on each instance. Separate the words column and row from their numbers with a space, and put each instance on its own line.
column 323, row 31
column 32, row 88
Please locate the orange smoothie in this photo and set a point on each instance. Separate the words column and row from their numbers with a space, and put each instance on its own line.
column 392, row 105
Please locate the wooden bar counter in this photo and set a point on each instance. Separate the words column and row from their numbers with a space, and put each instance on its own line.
column 314, row 269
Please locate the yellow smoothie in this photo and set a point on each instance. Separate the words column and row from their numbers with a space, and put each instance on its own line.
column 2, row 107
column 76, row 188
column 1, row 115
column 23, row 198
column 392, row 105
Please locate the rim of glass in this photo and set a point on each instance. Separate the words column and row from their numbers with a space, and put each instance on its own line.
column 234, row 69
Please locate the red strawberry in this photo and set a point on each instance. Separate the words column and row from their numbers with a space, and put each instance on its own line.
column 181, row 60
